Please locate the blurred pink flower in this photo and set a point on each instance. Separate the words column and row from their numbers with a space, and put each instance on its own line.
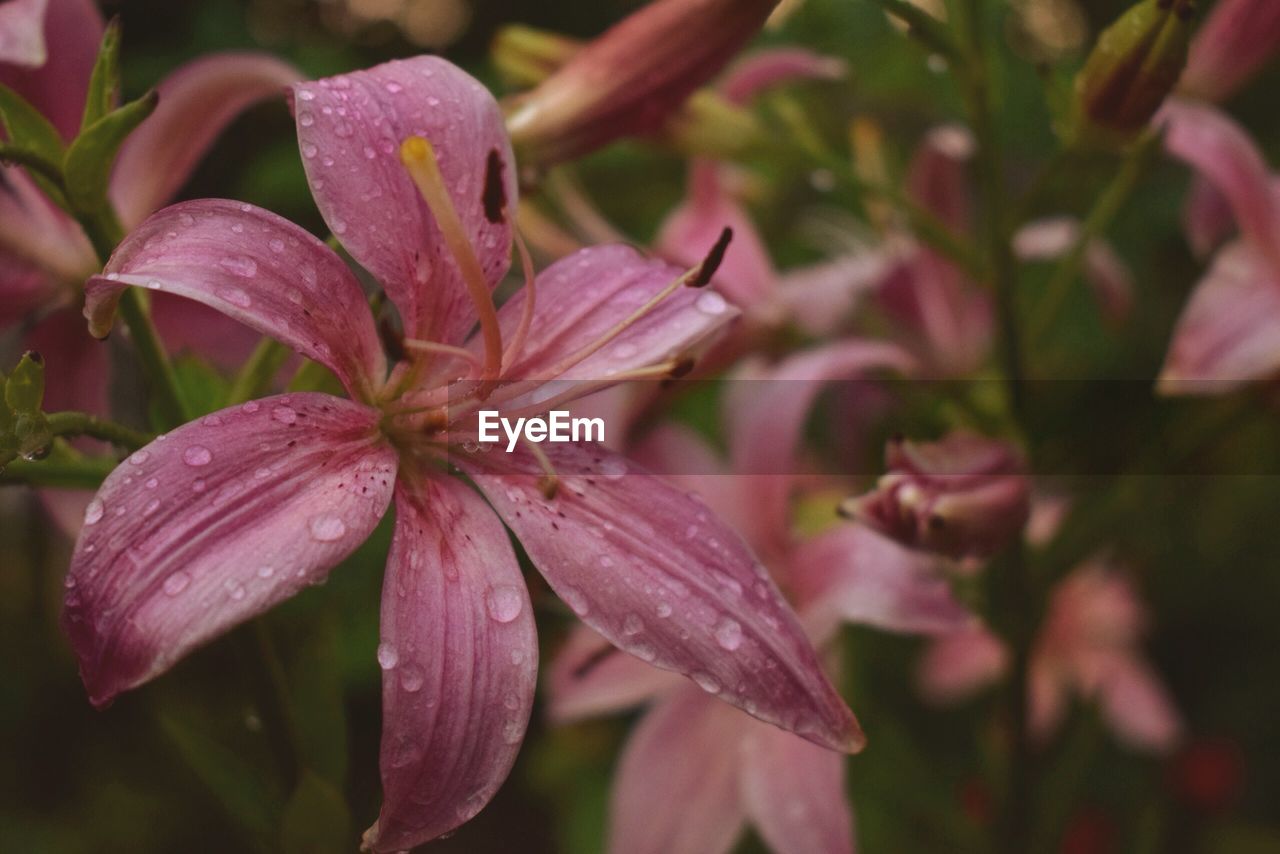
column 1229, row 332
column 694, row 771
column 630, row 79
column 963, row 496
column 223, row 518
column 1088, row 645
column 1234, row 43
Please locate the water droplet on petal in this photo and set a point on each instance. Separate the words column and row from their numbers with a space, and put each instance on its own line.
column 411, row 678
column 504, row 603
column 664, row 610
column 632, row 625
column 139, row 457
column 387, row 656
column 93, row 513
column 152, row 506
column 234, row 589
column 197, row 455
column 176, row 583
column 276, row 245
column 729, row 634
column 284, row 414
column 710, row 302
column 266, row 571
column 574, row 599
column 706, row 682
column 613, row 468
column 309, row 150
column 327, row 529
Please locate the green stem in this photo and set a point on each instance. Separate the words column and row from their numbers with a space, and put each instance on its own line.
column 76, row 473
column 105, row 233
column 1105, row 210
column 83, row 424
column 255, row 377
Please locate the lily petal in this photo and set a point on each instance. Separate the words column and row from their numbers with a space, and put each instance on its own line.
column 36, row 234
column 1206, row 217
column 795, row 794
column 958, row 665
column 23, row 289
column 54, row 81
column 853, row 574
column 580, row 298
column 22, row 33
column 459, row 658
column 1138, row 708
column 765, row 69
column 1219, row 149
column 767, row 411
column 1235, row 42
column 822, row 296
column 215, row 523
column 350, row 129
column 591, row 677
column 196, row 102
column 1229, row 332
column 938, row 179
column 649, row 567
column 676, row 789
column 257, row 268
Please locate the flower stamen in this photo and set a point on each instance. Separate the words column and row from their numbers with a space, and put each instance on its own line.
column 419, row 158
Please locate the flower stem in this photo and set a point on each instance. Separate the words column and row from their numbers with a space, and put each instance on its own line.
column 83, row 424
column 1105, row 209
column 63, row 473
column 255, row 377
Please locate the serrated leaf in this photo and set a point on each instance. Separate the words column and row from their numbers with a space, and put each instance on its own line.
column 104, row 83
column 27, row 128
column 89, row 160
column 316, row 819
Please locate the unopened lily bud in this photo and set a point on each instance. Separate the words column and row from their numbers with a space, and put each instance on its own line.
column 1237, row 40
column 963, row 496
column 1134, row 66
column 633, row 77
column 24, row 389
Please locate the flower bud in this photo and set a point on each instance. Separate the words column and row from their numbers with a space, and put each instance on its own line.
column 1237, row 39
column 633, row 77
column 1134, row 66
column 526, row 56
column 24, row 389
column 963, row 496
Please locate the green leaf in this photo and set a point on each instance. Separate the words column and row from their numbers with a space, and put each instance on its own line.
column 27, row 128
column 104, row 84
column 89, row 160
column 316, row 820
column 24, row 390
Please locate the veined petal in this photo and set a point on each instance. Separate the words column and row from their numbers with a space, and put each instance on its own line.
column 855, row 575
column 459, row 658
column 38, row 234
column 1229, row 332
column 196, row 102
column 652, row 570
column 794, row 793
column 591, row 677
column 766, row 412
column 192, row 327
column 685, row 459
column 1213, row 144
column 215, row 523
column 350, row 129
column 676, row 789
column 22, row 33
column 580, row 298
column 257, row 268
column 57, row 70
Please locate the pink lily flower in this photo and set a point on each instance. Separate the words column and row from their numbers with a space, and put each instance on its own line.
column 226, row 516
column 815, row 296
column 1234, row 43
column 1229, row 331
column 1088, row 646
column 963, row 496
column 694, row 772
